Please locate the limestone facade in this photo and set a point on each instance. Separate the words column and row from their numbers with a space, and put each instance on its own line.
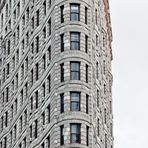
column 39, row 42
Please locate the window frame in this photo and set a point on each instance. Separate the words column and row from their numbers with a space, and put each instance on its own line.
column 77, row 134
column 74, row 71
column 62, row 42
column 62, row 72
column 75, row 102
column 61, row 135
column 76, row 13
column 74, row 41
column 62, row 103
column 62, row 13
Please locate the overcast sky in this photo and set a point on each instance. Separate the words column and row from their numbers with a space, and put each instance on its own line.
column 130, row 71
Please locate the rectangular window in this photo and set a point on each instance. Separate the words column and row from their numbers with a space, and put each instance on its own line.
column 38, row 18
column 110, row 106
column 49, row 3
column 62, row 71
column 75, row 12
column 7, row 94
column 75, row 41
column 25, row 117
column 31, row 105
column 75, row 101
column 30, row 131
column 49, row 53
column 37, row 44
column 32, row 48
column 105, row 140
column 12, row 112
column 44, row 62
column 6, row 119
column 44, row 5
column 43, row 118
column 97, row 70
column 48, row 141
column 48, row 109
column 86, row 15
column 104, row 67
column 27, row 39
column 105, row 116
column 111, row 129
column 5, row 142
column 49, row 26
column 22, row 71
column 87, row 135
column 15, row 132
column 105, row 89
column 96, row 16
column 32, row 23
column 27, row 15
column 44, row 32
column 86, row 43
column 62, row 135
column 8, row 47
column 17, row 56
column 1, row 144
column 24, row 140
column 75, row 70
column 26, row 90
column 62, row 42
column 44, row 90
column 21, row 122
column 37, row 71
column 31, row 77
column 3, row 97
column 42, row 145
column 17, row 81
column 36, row 98
column 23, row 22
column 96, row 40
column 62, row 13
column 49, row 83
column 36, row 129
column 23, row 46
column 16, row 106
column 26, row 61
column 18, row 9
column 2, row 125
column 86, row 73
column 10, row 138
column 14, row 39
column 13, row 61
column 87, row 104
column 75, row 133
column 98, row 98
column 22, row 97
column 98, row 124
column 62, row 102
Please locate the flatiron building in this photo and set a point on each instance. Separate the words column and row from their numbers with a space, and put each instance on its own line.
column 55, row 74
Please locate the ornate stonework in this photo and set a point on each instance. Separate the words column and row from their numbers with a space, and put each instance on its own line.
column 39, row 42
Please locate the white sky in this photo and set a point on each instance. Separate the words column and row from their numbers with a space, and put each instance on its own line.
column 130, row 71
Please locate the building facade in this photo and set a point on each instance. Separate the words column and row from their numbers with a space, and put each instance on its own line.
column 55, row 74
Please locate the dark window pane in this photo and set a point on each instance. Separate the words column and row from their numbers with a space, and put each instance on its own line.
column 75, row 12
column 75, row 40
column 75, row 101
column 62, row 102
column 75, row 133
column 75, row 71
